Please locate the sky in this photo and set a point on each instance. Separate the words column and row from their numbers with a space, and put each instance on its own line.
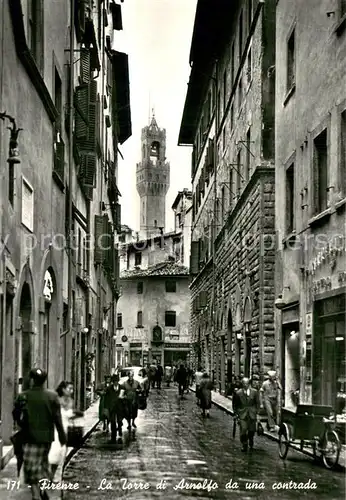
column 157, row 37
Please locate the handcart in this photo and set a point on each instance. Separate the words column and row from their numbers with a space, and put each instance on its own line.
column 310, row 426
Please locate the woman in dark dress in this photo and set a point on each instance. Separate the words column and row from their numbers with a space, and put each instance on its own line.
column 205, row 389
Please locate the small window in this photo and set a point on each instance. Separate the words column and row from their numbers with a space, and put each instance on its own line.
column 291, row 75
column 119, row 320
column 290, row 199
column 171, row 286
column 138, row 259
column 140, row 287
column 139, row 319
column 320, row 167
column 170, row 318
column 238, row 176
column 249, row 14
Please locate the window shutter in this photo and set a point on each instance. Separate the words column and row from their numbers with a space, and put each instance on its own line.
column 106, row 241
column 98, row 122
column 85, row 65
column 203, row 299
column 98, row 252
column 194, row 257
column 115, row 268
column 118, row 217
column 87, row 169
column 116, row 16
column 90, row 144
column 81, row 115
column 109, row 75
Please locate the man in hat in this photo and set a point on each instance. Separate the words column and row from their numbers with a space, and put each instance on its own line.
column 115, row 405
column 246, row 405
column 270, row 394
column 37, row 411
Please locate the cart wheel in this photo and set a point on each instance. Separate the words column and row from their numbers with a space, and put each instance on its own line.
column 284, row 441
column 331, row 447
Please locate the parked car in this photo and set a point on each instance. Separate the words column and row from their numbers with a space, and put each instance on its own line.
column 137, row 375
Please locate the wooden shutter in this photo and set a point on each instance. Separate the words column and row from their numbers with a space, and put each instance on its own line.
column 90, row 143
column 85, row 65
column 117, row 217
column 98, row 122
column 87, row 169
column 194, row 257
column 98, row 252
column 203, row 299
column 116, row 16
column 109, row 75
column 81, row 116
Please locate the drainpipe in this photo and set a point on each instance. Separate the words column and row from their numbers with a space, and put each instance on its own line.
column 68, row 335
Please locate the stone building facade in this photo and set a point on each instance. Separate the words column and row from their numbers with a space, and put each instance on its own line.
column 56, row 283
column 182, row 207
column 228, row 118
column 311, row 199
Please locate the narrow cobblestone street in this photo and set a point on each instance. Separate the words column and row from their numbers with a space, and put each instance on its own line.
column 173, row 442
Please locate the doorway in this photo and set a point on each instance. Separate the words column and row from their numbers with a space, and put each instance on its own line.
column 290, row 363
column 23, row 342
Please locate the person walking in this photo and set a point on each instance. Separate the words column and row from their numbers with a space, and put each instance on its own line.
column 159, row 375
column 152, row 375
column 168, row 375
column 198, row 380
column 57, row 452
column 131, row 389
column 246, row 405
column 37, row 411
column 103, row 412
column 114, row 402
column 180, row 377
column 206, row 387
column 270, row 394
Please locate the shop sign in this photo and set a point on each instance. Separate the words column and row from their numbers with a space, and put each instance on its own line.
column 135, row 344
column 308, row 324
column 176, row 345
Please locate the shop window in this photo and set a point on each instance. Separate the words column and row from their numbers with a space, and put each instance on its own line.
column 140, row 287
column 138, row 259
column 320, row 172
column 290, row 199
column 170, row 318
column 119, row 320
column 171, row 286
column 139, row 319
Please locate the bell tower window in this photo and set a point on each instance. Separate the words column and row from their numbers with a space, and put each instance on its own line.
column 155, row 152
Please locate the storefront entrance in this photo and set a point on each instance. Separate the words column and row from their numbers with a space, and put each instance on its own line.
column 290, row 364
column 329, row 353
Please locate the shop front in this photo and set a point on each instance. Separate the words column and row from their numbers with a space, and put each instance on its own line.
column 329, row 363
column 176, row 354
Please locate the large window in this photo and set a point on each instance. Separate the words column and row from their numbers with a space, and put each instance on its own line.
column 170, row 318
column 290, row 199
column 320, row 172
column 35, row 31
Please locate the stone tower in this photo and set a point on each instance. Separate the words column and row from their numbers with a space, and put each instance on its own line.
column 152, row 180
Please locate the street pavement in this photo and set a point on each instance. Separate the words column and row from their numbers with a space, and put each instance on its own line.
column 174, row 451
